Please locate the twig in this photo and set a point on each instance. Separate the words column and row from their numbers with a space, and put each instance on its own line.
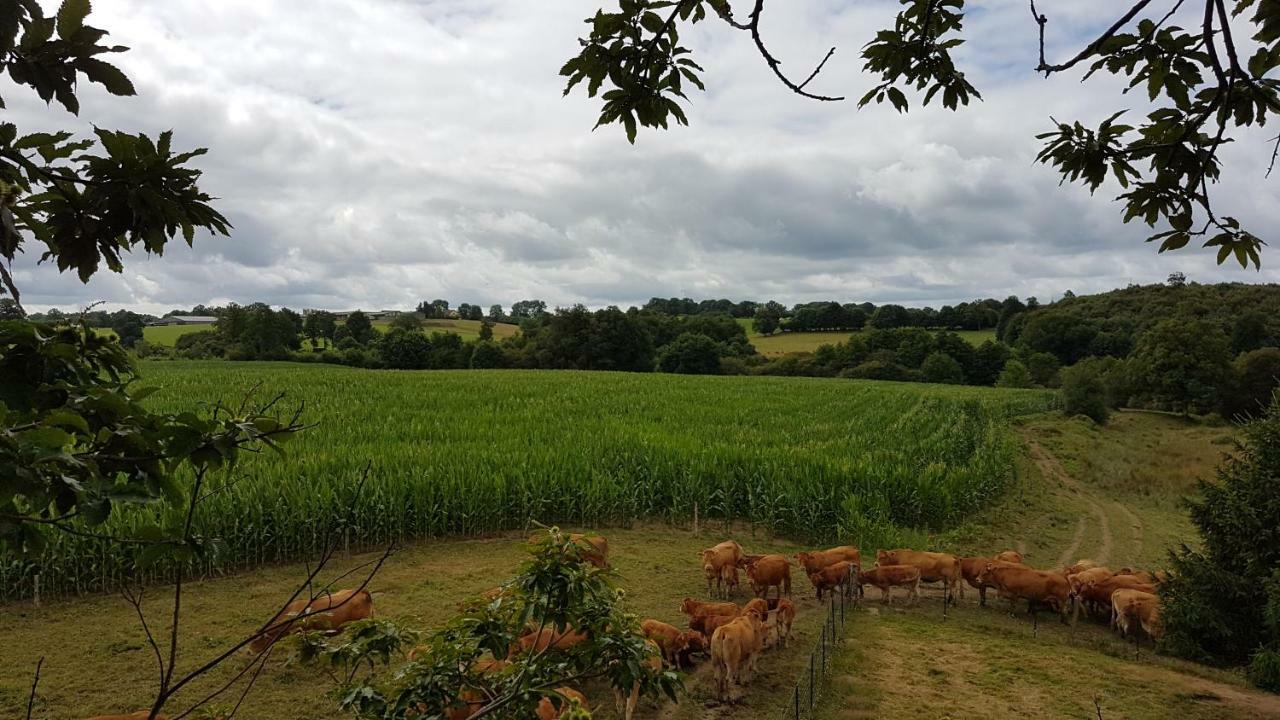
column 31, row 699
column 754, row 27
column 1091, row 47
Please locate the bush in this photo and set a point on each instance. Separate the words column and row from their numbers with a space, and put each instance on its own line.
column 1084, row 391
column 201, row 345
column 1014, row 375
column 692, row 354
column 1044, row 368
column 879, row 370
column 1254, row 377
column 1222, row 603
column 404, row 349
column 940, row 367
column 487, row 354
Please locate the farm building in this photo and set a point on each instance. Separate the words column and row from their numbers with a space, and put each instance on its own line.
column 185, row 320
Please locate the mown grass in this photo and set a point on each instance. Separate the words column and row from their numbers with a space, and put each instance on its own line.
column 789, row 342
column 96, row 659
column 166, row 335
column 473, row 452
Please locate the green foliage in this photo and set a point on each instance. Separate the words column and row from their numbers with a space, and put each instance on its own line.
column 917, row 54
column 402, row 349
column 690, row 354
column 1014, row 375
column 1222, row 603
column 486, row 330
column 128, row 329
column 359, row 328
column 407, row 321
column 940, row 367
column 555, row 589
column 766, row 321
column 1251, row 332
column 76, row 443
column 1254, row 378
column 1181, row 363
column 1084, row 391
column 1043, row 367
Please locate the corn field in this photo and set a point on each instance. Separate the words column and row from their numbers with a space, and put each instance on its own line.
column 472, row 452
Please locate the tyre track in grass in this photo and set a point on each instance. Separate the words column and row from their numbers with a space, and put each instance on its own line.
column 1052, row 469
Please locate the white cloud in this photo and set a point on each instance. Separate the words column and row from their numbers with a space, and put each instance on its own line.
column 381, row 152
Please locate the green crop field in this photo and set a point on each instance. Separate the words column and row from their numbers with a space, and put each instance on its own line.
column 471, row 452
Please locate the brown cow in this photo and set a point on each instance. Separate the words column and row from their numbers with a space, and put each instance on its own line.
column 757, row 607
column 549, row 709
column 594, row 548
column 971, row 568
column 1010, row 556
column 934, row 567
column 667, row 637
column 783, row 618
column 1097, row 592
column 815, row 560
column 538, row 641
column 329, row 612
column 1142, row 575
column 707, row 624
column 770, row 571
column 1035, row 586
column 720, row 565
column 735, row 648
column 690, row 643
column 1080, row 566
column 831, row 577
column 1128, row 606
column 694, row 608
column 887, row 577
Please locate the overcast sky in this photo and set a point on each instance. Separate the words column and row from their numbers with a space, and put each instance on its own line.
column 374, row 153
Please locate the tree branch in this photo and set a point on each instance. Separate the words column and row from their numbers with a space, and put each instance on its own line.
column 1091, row 47
column 753, row 26
column 35, row 681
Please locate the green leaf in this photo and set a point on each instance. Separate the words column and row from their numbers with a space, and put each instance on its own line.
column 71, row 17
column 107, row 75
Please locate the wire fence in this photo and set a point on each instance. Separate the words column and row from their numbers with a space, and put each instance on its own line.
column 812, row 680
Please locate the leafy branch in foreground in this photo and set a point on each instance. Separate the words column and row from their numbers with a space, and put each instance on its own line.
column 1205, row 86
column 557, row 623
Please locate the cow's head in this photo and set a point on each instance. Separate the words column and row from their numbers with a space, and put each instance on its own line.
column 984, row 575
column 886, row 557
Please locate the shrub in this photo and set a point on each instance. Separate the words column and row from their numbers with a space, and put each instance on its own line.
column 940, row 367
column 201, row 345
column 1222, row 603
column 1014, row 375
column 1254, row 377
column 402, row 349
column 487, row 354
column 691, row 354
column 878, row 370
column 1044, row 368
column 1084, row 390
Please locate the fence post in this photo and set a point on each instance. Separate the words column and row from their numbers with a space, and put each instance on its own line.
column 811, row 659
column 797, row 701
column 695, row 517
column 36, row 590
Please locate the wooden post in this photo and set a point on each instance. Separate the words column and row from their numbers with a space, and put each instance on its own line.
column 695, row 518
column 36, row 592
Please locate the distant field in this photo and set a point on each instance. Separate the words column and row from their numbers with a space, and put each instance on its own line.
column 473, row 452
column 161, row 334
column 789, row 342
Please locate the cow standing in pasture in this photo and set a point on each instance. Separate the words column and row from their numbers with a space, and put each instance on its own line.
column 887, row 577
column 720, row 566
column 837, row 576
column 735, row 647
column 327, row 612
column 934, row 567
column 1017, row 582
column 768, row 571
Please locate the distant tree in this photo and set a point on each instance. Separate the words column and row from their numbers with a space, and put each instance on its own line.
column 128, row 328
column 889, row 316
column 487, row 354
column 766, row 320
column 1255, row 376
column 486, row 330
column 1084, row 391
column 495, row 313
column 880, row 369
column 407, row 321
column 403, row 349
column 1043, row 367
column 1250, row 332
column 359, row 328
column 1066, row 335
column 10, row 310
column 940, row 367
column 1181, row 363
column 989, row 360
column 1177, row 279
column 1221, row 603
column 1014, row 375
column 690, row 353
column 526, row 309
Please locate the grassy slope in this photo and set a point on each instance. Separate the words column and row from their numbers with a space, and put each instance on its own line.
column 984, row 663
column 161, row 334
column 468, row 329
column 88, row 672
column 783, row 343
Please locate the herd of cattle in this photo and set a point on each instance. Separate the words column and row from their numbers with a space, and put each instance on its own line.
column 734, row 637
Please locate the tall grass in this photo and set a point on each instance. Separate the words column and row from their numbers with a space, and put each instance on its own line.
column 471, row 452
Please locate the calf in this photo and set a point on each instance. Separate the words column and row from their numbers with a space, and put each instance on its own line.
column 1035, row 586
column 1128, row 606
column 934, row 567
column 887, row 577
column 689, row 642
column 549, row 709
column 831, row 577
column 784, row 617
column 735, row 648
column 676, row 645
column 770, row 571
column 329, row 612
column 815, row 560
column 694, row 608
column 720, row 566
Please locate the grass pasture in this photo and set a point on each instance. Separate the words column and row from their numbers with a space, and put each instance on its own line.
column 459, row 453
column 166, row 335
column 781, row 343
